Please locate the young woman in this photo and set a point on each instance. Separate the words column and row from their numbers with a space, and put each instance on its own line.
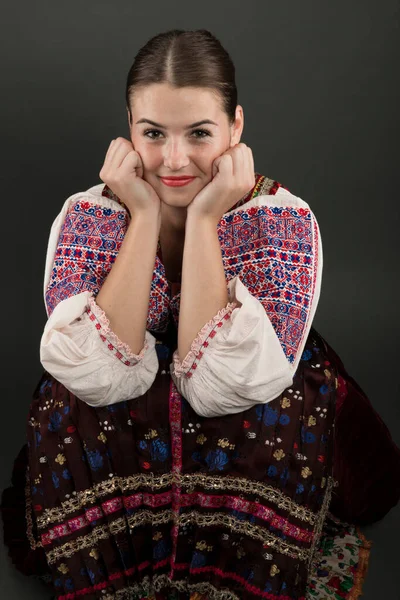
column 181, row 439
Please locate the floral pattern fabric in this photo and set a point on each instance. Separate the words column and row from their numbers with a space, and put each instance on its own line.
column 145, row 496
column 340, row 564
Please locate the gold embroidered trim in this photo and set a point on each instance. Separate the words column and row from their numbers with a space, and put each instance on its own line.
column 255, row 191
column 189, row 481
column 122, row 484
column 266, row 186
column 254, row 531
column 321, row 519
column 101, row 532
column 86, row 541
column 247, row 486
column 34, row 544
column 263, row 186
column 160, row 582
column 205, row 588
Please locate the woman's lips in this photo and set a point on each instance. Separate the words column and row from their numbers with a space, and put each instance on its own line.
column 176, row 181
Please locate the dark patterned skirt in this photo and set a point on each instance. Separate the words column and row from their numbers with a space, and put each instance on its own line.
column 146, row 499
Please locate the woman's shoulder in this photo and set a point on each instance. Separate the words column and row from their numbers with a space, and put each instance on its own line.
column 96, row 202
column 98, row 195
column 93, row 211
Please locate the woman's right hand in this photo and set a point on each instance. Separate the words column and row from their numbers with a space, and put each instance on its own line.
column 122, row 171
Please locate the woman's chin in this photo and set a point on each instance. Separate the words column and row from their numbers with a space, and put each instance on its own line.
column 178, row 197
column 176, row 200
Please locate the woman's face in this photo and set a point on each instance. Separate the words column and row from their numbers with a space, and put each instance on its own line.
column 180, row 131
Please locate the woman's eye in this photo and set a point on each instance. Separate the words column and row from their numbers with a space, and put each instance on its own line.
column 155, row 134
column 203, row 133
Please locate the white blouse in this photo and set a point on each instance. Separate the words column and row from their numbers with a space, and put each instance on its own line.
column 237, row 360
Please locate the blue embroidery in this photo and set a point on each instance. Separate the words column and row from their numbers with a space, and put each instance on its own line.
column 198, row 560
column 95, row 459
column 307, row 354
column 270, row 416
column 46, row 383
column 248, row 574
column 307, row 436
column 285, row 475
column 66, row 474
column 284, row 419
column 216, row 460
column 239, row 515
column 160, row 550
column 196, row 456
column 55, row 421
column 159, row 450
column 69, row 584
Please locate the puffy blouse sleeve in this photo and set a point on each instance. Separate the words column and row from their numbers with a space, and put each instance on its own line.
column 248, row 353
column 78, row 347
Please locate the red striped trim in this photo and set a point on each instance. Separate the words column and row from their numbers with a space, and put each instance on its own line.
column 250, row 588
column 257, row 510
column 179, row 567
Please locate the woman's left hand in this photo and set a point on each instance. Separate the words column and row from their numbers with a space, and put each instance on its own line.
column 233, row 177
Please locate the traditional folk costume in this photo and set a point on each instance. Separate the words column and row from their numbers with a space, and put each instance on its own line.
column 148, row 477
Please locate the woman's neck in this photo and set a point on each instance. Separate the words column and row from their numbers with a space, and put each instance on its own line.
column 173, row 219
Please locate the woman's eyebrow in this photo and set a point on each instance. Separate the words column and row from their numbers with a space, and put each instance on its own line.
column 197, row 124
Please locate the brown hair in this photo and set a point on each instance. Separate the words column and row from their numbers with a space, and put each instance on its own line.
column 182, row 59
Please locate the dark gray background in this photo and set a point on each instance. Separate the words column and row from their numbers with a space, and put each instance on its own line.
column 319, row 85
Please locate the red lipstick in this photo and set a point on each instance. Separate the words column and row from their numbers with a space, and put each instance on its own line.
column 177, row 181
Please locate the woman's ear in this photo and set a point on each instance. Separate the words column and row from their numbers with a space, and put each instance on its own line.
column 237, row 126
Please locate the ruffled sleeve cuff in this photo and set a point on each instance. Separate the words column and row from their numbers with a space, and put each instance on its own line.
column 81, row 351
column 112, row 342
column 201, row 342
column 236, row 360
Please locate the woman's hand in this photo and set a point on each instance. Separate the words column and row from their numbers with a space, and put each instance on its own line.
column 233, row 177
column 122, row 171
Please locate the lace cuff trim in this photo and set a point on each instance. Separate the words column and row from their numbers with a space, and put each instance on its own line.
column 120, row 349
column 209, row 331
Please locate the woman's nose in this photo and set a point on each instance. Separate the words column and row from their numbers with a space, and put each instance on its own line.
column 175, row 155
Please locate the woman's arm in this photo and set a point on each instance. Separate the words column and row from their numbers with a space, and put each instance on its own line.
column 248, row 351
column 124, row 295
column 204, row 288
column 79, row 347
